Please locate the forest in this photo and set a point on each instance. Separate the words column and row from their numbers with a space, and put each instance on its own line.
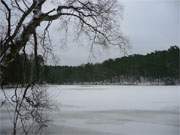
column 158, row 67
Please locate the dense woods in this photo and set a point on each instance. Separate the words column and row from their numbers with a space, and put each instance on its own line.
column 159, row 67
column 23, row 69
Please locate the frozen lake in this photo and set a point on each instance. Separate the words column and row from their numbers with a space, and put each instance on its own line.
column 114, row 110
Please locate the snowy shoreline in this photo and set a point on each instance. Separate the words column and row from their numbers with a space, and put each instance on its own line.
column 101, row 84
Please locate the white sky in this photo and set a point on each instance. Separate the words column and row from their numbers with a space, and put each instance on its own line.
column 149, row 24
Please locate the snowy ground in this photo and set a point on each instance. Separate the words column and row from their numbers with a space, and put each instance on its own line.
column 115, row 110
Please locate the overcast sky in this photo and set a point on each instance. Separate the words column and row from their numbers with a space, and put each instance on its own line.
column 149, row 25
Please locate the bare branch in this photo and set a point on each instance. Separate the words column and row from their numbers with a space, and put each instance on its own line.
column 8, row 18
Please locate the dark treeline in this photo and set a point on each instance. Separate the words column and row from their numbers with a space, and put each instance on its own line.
column 23, row 70
column 159, row 67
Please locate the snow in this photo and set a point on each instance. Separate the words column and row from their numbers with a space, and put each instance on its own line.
column 113, row 110
column 116, row 110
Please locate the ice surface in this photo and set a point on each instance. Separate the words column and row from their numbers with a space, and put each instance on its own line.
column 114, row 110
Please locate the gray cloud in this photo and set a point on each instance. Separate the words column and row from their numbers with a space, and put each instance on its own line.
column 152, row 24
column 149, row 24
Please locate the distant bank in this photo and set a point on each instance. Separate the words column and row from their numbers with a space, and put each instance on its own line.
column 155, row 68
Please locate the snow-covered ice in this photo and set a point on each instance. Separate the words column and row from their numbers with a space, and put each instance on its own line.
column 114, row 110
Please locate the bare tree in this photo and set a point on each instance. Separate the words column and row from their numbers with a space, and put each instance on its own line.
column 20, row 20
column 22, row 17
